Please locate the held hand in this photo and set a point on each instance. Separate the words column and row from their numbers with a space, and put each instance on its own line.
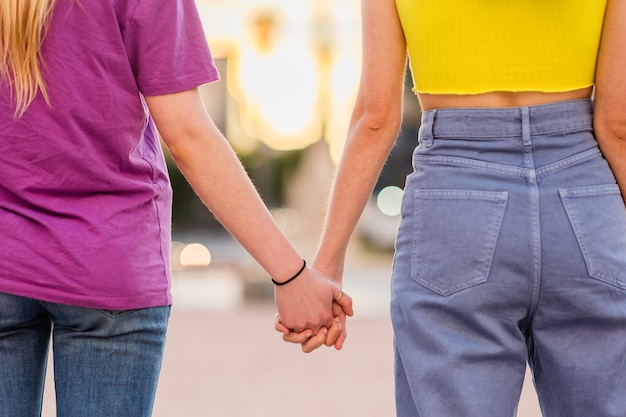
column 306, row 339
column 335, row 336
column 307, row 302
column 340, row 315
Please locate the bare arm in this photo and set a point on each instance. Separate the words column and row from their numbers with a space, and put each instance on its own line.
column 610, row 96
column 373, row 129
column 212, row 168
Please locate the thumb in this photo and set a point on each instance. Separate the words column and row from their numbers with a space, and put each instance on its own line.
column 279, row 326
column 344, row 300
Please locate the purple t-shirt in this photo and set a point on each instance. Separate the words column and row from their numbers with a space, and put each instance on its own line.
column 85, row 199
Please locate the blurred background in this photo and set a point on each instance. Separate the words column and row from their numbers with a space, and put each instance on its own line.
column 289, row 76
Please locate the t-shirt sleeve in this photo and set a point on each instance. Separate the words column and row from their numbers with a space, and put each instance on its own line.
column 167, row 47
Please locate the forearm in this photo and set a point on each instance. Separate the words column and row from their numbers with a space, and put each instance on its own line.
column 215, row 173
column 610, row 92
column 365, row 153
column 373, row 129
column 612, row 143
column 610, row 127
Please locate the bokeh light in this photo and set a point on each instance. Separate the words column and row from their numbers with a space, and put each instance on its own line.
column 389, row 200
column 195, row 255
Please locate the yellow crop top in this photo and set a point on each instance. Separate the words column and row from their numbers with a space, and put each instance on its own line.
column 477, row 46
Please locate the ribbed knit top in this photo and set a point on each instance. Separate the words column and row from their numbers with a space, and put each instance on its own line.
column 477, row 46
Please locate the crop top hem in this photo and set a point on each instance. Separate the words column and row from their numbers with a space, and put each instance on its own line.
column 503, row 90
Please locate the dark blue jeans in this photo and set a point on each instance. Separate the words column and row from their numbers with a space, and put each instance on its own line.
column 106, row 363
column 512, row 245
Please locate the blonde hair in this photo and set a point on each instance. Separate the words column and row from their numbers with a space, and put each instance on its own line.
column 23, row 26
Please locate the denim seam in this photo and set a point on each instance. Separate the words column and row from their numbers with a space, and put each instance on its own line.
column 509, row 109
column 591, row 190
column 472, row 163
column 474, row 135
column 569, row 129
column 533, row 207
column 567, row 162
column 441, row 134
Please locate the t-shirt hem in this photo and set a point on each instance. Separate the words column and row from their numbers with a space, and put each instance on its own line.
column 179, row 85
column 96, row 302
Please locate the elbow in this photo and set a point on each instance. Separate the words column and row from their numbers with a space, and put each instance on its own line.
column 611, row 128
column 609, row 118
column 380, row 118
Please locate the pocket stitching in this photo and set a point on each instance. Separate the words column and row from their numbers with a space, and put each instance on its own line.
column 500, row 198
column 114, row 314
column 567, row 194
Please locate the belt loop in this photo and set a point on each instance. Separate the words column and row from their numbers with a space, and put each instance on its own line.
column 427, row 127
column 526, row 126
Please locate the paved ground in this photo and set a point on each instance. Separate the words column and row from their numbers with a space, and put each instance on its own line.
column 224, row 360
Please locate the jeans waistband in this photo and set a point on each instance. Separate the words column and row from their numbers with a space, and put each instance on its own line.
column 565, row 116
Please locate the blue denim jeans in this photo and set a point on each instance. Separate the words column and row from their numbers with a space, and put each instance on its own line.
column 106, row 363
column 512, row 247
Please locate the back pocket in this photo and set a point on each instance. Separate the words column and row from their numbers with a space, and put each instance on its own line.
column 598, row 217
column 455, row 237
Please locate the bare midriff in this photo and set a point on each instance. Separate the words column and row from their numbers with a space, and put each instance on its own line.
column 499, row 99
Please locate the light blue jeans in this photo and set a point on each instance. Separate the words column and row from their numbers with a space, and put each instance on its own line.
column 106, row 363
column 512, row 246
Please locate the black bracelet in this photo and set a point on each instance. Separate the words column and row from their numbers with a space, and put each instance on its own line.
column 293, row 277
